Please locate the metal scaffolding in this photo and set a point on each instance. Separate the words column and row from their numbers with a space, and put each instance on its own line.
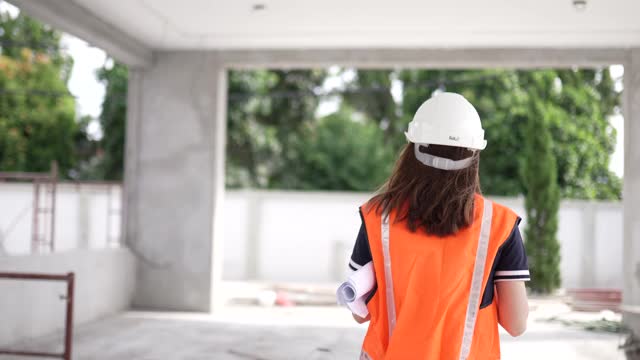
column 44, row 206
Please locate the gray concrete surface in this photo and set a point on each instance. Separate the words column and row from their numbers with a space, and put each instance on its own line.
column 104, row 286
column 175, row 178
column 416, row 57
column 75, row 19
column 297, row 333
column 631, row 194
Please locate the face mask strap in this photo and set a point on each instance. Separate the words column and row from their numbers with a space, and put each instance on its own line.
column 440, row 162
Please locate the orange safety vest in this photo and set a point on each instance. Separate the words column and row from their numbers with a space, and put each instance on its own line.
column 427, row 305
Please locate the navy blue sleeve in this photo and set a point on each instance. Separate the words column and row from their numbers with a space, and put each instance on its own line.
column 361, row 254
column 511, row 263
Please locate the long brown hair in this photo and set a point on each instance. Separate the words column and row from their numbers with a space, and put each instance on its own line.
column 439, row 201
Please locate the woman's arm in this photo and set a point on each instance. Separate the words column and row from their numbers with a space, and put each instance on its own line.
column 513, row 306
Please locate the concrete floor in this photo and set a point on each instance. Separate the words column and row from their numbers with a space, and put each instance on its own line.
column 321, row 333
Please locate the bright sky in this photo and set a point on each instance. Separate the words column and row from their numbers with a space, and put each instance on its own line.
column 84, row 84
column 616, row 163
column 89, row 92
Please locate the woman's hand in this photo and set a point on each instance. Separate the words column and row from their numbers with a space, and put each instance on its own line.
column 360, row 320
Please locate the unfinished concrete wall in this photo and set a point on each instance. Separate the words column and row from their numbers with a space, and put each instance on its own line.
column 104, row 286
column 631, row 194
column 175, row 178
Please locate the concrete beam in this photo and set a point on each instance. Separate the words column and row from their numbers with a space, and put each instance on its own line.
column 424, row 58
column 67, row 16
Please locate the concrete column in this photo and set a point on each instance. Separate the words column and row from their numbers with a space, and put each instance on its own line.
column 587, row 273
column 218, row 160
column 254, row 227
column 631, row 194
column 175, row 179
column 132, row 140
column 84, row 219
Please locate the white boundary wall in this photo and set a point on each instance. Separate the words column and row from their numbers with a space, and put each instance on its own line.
column 308, row 237
column 82, row 216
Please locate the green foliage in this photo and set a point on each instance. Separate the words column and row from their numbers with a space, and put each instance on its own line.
column 370, row 94
column 341, row 153
column 113, row 122
column 37, row 114
column 24, row 32
column 266, row 113
column 539, row 175
column 583, row 138
column 500, row 107
column 85, row 149
column 269, row 110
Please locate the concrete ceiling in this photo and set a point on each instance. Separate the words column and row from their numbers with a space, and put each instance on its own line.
column 212, row 24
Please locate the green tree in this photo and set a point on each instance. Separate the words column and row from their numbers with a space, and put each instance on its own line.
column 584, row 139
column 370, row 93
column 584, row 99
column 495, row 95
column 266, row 113
column 37, row 113
column 341, row 152
column 539, row 172
column 86, row 148
column 113, row 122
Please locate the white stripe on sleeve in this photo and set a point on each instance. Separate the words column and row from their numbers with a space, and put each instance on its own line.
column 512, row 272
column 356, row 266
column 512, row 279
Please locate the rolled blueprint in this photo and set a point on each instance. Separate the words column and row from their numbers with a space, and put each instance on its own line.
column 354, row 291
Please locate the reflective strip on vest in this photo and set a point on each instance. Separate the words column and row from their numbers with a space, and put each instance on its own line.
column 476, row 280
column 391, row 303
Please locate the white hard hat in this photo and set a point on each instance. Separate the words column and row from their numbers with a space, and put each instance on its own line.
column 447, row 119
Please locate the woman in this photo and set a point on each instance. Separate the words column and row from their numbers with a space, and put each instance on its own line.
column 450, row 265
